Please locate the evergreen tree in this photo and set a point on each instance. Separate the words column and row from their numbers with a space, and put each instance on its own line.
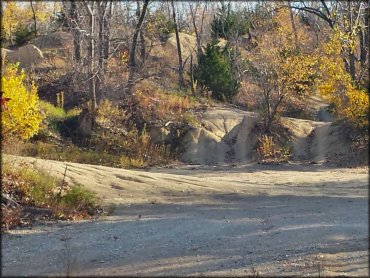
column 215, row 72
column 228, row 24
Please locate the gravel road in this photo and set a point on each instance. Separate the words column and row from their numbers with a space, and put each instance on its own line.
column 292, row 219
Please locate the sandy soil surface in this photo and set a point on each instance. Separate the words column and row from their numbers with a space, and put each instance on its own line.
column 292, row 219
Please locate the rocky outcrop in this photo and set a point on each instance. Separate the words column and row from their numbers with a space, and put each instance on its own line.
column 53, row 41
column 224, row 136
column 188, row 45
column 328, row 142
column 228, row 135
column 27, row 56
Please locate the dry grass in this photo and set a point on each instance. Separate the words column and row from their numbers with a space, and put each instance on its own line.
column 154, row 105
column 247, row 96
column 269, row 151
column 116, row 141
column 158, row 105
column 28, row 186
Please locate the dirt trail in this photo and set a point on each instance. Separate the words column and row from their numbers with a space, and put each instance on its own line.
column 197, row 220
column 320, row 142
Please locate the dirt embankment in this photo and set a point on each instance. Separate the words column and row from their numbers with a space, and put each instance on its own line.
column 200, row 220
column 228, row 135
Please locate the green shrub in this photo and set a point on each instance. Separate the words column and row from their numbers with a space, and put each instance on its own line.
column 22, row 34
column 52, row 112
column 215, row 72
column 80, row 199
column 41, row 189
column 29, row 186
column 58, row 120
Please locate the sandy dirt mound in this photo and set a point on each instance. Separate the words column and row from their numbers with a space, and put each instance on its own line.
column 231, row 221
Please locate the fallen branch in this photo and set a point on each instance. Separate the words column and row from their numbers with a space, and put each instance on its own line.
column 5, row 198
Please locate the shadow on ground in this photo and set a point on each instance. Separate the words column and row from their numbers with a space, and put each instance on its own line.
column 238, row 235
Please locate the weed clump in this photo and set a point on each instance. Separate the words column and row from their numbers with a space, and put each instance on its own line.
column 28, row 190
column 268, row 151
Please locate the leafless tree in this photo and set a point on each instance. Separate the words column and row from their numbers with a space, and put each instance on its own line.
column 34, row 17
column 198, row 35
column 133, row 67
column 351, row 17
column 181, row 68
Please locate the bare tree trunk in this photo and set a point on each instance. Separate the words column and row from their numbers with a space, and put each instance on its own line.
column 34, row 17
column 142, row 48
column 73, row 23
column 132, row 56
column 192, row 84
column 100, row 10
column 181, row 70
column 91, row 54
column 352, row 66
column 198, row 36
column 351, row 54
column 101, row 13
column 293, row 24
column 198, row 33
column 104, row 14
column 107, row 31
column 364, row 44
column 363, row 51
column 142, row 38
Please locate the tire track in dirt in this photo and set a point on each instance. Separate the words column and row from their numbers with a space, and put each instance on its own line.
column 270, row 220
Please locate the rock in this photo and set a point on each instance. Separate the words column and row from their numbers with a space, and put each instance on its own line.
column 27, row 56
column 61, row 41
column 328, row 141
column 158, row 135
column 4, row 54
column 85, row 123
column 225, row 135
column 187, row 42
column 316, row 141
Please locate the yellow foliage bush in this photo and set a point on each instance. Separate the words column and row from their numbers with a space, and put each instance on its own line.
column 336, row 85
column 21, row 117
column 269, row 151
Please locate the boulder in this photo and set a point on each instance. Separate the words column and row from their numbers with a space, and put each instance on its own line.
column 4, row 54
column 169, row 48
column 56, row 40
column 327, row 141
column 158, row 135
column 316, row 141
column 85, row 123
column 27, row 56
column 224, row 136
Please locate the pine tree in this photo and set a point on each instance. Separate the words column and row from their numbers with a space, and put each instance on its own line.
column 215, row 72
